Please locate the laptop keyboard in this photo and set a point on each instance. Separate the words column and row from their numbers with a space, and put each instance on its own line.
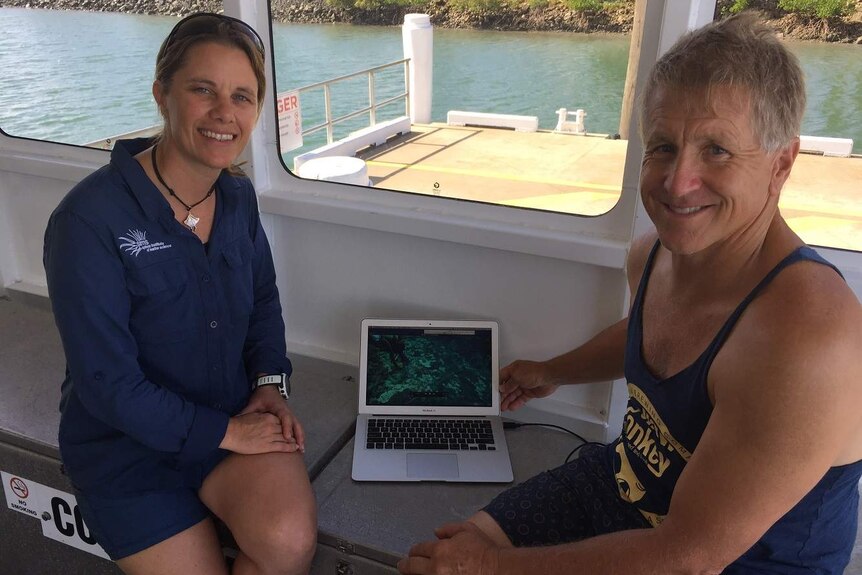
column 448, row 434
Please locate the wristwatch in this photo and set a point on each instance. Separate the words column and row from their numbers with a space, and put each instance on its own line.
column 281, row 381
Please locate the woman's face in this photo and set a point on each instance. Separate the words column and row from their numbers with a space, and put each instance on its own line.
column 210, row 108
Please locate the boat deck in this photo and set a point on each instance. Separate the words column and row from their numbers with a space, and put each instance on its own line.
column 583, row 175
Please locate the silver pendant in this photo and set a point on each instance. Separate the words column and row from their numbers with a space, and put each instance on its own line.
column 191, row 221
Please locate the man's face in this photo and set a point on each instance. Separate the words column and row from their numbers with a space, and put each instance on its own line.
column 705, row 180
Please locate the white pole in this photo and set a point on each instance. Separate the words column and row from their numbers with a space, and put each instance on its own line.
column 418, row 38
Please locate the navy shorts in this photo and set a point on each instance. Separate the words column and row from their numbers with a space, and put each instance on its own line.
column 575, row 501
column 127, row 523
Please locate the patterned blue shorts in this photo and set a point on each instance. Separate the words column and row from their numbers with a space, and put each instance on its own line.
column 575, row 501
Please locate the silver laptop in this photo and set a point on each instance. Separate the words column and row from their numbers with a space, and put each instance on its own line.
column 429, row 403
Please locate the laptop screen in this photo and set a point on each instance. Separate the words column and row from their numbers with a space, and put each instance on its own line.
column 429, row 366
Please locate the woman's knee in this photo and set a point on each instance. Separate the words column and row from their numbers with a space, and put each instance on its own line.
column 296, row 536
column 286, row 544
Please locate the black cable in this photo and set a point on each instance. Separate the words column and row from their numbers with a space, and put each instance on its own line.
column 517, row 424
column 575, row 450
column 584, row 442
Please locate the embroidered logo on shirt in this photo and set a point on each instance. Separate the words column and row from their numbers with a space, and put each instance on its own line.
column 135, row 242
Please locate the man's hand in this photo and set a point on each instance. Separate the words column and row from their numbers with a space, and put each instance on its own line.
column 266, row 399
column 461, row 549
column 523, row 380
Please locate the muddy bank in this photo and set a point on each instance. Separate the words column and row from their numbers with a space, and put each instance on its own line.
column 516, row 16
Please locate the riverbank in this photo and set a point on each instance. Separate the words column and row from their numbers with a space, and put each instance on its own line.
column 517, row 16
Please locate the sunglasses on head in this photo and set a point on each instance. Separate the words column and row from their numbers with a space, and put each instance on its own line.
column 204, row 23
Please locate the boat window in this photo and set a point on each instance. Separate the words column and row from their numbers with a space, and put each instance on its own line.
column 77, row 77
column 529, row 120
column 821, row 200
column 517, row 119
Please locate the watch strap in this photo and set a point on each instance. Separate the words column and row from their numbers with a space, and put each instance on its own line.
column 281, row 381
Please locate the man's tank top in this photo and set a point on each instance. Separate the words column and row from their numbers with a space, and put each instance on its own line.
column 663, row 425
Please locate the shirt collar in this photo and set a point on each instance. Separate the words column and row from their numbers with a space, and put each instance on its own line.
column 145, row 192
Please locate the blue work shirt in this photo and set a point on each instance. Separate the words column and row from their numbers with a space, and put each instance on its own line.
column 162, row 334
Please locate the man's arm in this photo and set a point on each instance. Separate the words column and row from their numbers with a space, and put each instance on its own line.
column 599, row 359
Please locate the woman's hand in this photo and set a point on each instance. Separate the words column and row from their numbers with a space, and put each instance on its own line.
column 252, row 433
column 266, row 399
column 523, row 380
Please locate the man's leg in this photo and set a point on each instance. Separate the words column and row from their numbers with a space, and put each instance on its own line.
column 575, row 501
column 267, row 502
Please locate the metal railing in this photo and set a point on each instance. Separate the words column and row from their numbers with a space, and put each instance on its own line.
column 108, row 143
column 373, row 105
column 328, row 123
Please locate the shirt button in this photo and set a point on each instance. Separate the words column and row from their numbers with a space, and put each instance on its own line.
column 213, row 324
column 215, row 367
column 206, row 278
column 217, row 406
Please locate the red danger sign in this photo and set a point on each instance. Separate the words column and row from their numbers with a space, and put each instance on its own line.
column 289, row 121
column 19, row 488
column 287, row 103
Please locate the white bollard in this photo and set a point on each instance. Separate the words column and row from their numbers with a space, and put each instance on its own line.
column 580, row 127
column 418, row 38
column 562, row 118
column 576, row 127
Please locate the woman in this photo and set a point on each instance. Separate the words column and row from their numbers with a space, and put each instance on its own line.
column 163, row 289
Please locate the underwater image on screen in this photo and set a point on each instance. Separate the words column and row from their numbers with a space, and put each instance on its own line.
column 441, row 367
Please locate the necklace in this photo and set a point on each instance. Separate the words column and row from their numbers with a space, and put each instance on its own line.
column 191, row 220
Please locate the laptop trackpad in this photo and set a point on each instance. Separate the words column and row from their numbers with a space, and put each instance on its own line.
column 432, row 465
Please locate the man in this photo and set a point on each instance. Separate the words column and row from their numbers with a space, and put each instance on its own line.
column 741, row 449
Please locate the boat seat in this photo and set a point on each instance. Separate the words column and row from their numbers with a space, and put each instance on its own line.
column 31, row 371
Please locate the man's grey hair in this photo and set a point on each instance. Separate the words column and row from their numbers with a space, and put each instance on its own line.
column 739, row 52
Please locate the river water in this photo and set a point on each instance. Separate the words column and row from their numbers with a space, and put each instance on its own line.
column 76, row 77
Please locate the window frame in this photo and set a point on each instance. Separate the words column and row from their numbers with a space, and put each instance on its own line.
column 598, row 240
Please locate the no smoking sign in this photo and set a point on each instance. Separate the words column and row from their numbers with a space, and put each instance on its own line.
column 19, row 488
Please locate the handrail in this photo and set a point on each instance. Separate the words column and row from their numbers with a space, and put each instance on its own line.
column 373, row 105
column 329, row 122
column 351, row 75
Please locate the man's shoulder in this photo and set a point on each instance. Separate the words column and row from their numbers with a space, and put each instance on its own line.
column 793, row 356
column 806, row 320
column 809, row 293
